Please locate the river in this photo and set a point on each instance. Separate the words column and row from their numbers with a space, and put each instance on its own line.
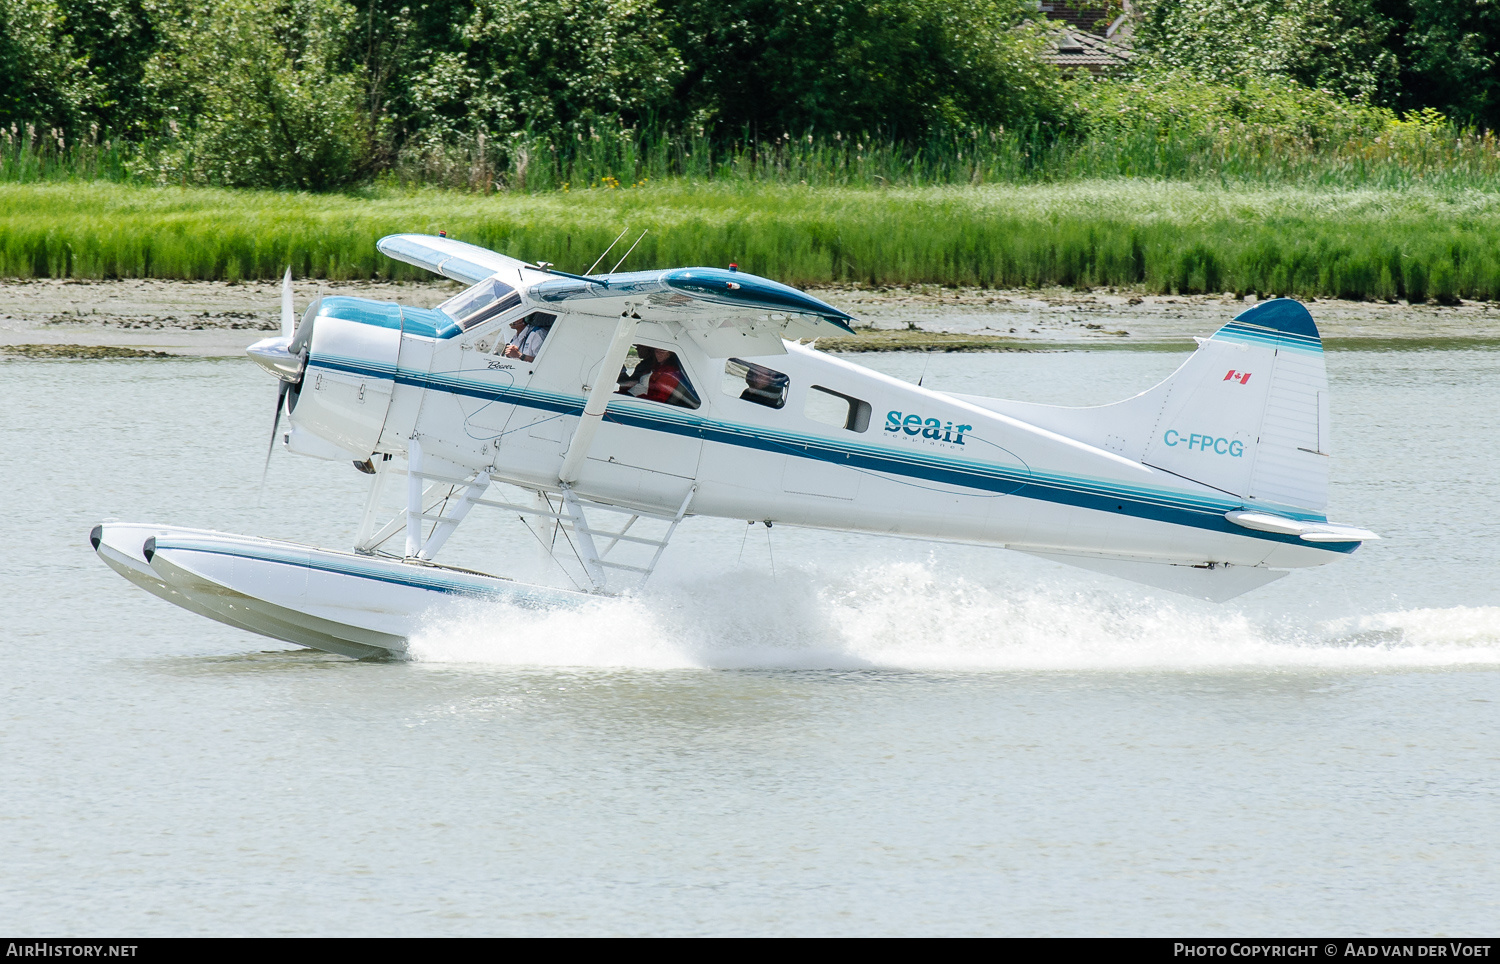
column 793, row 732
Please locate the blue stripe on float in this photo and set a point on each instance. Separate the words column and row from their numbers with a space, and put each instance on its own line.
column 280, row 557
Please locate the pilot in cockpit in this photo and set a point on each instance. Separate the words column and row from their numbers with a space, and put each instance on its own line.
column 530, row 331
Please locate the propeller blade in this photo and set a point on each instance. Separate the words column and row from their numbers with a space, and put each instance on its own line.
column 275, row 425
column 288, row 315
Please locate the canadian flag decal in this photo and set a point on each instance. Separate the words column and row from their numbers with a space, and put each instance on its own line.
column 1242, row 377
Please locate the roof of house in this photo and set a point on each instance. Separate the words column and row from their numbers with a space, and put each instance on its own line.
column 1080, row 50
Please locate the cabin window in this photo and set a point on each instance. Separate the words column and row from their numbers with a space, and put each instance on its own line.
column 755, row 383
column 480, row 303
column 837, row 409
column 527, row 334
column 656, row 375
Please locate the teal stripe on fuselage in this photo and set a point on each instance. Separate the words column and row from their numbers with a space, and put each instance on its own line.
column 1200, row 511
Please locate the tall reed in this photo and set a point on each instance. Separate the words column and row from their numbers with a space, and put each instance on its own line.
column 1403, row 155
column 29, row 156
column 1427, row 154
column 1415, row 243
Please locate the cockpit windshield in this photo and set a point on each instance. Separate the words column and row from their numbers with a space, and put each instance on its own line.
column 480, row 303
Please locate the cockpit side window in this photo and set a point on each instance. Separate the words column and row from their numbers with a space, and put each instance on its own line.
column 755, row 383
column 489, row 298
column 656, row 375
column 529, row 333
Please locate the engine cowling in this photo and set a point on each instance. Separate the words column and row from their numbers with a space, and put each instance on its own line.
column 345, row 390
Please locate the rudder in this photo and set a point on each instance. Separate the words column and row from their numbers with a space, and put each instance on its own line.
column 1248, row 413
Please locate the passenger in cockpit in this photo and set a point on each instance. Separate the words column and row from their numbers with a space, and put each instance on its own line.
column 764, row 387
column 658, row 377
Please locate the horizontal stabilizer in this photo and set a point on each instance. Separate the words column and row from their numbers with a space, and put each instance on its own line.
column 1216, row 584
column 1308, row 531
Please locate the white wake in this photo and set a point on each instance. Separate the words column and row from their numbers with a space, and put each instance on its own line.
column 907, row 616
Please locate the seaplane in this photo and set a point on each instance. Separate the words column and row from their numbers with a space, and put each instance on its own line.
column 601, row 411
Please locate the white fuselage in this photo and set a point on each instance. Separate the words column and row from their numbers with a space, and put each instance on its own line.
column 921, row 464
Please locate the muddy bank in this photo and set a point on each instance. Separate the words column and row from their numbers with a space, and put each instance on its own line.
column 179, row 317
column 221, row 318
column 1125, row 319
column 80, row 352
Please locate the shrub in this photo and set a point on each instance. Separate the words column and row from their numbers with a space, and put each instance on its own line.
column 1416, row 281
column 1443, row 282
column 265, row 99
column 1172, row 103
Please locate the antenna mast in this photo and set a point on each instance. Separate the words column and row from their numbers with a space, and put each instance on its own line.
column 627, row 254
column 608, row 250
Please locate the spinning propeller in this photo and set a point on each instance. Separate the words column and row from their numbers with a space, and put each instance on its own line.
column 284, row 356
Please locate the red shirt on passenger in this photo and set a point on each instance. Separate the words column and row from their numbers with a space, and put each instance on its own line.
column 664, row 382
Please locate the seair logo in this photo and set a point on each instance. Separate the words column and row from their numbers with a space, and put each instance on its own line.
column 927, row 428
column 1242, row 377
column 1206, row 443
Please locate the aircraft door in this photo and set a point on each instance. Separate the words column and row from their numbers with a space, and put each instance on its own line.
column 647, row 448
column 651, row 423
column 531, row 412
column 500, row 381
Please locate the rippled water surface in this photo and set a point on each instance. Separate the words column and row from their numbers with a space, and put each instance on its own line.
column 794, row 732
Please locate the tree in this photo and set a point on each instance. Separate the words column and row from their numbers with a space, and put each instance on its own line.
column 1332, row 44
column 38, row 65
column 1449, row 55
column 114, row 40
column 261, row 95
column 900, row 67
column 551, row 67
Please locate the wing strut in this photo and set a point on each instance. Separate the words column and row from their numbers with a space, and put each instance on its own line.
column 448, row 522
column 598, row 400
column 446, row 501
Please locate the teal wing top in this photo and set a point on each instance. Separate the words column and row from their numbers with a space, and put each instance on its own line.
column 723, row 310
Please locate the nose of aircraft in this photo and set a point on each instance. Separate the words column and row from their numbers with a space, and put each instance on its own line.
column 275, row 356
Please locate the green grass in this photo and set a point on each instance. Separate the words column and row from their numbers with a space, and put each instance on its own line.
column 1414, row 242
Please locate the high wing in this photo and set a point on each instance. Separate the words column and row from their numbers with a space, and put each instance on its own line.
column 458, row 260
column 726, row 312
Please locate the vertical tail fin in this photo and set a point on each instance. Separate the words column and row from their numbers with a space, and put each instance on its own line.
column 1248, row 413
